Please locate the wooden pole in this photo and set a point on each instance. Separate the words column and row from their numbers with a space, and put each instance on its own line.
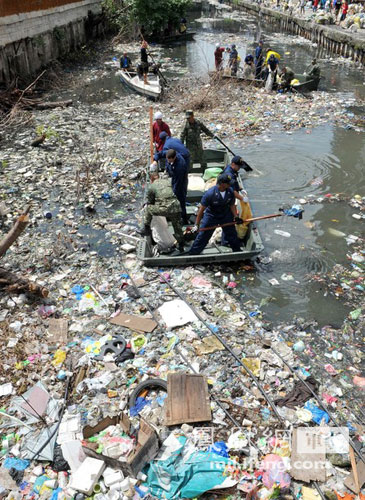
column 14, row 232
column 354, row 470
column 244, row 221
column 151, row 133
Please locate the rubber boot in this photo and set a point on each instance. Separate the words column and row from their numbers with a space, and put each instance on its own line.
column 146, row 230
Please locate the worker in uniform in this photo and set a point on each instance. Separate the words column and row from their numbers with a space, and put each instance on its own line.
column 162, row 201
column 315, row 71
column 171, row 143
column 233, row 171
column 125, row 61
column 287, row 75
column 259, row 60
column 190, row 136
column 217, row 207
column 177, row 169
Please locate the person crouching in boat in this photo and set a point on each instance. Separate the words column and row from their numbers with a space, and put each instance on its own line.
column 162, row 201
column 125, row 62
column 217, row 206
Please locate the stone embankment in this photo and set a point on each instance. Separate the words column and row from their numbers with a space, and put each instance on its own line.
column 334, row 39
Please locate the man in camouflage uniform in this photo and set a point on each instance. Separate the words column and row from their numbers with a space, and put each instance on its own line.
column 162, row 201
column 190, row 135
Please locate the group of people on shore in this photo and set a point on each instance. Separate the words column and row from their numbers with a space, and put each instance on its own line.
column 263, row 65
column 166, row 196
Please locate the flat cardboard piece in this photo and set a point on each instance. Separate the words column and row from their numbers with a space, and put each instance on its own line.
column 36, row 402
column 308, row 456
column 350, row 482
column 146, row 448
column 208, row 345
column 136, row 323
column 58, row 330
column 187, row 399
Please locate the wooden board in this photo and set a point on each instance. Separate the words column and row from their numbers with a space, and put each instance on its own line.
column 350, row 482
column 308, row 456
column 136, row 323
column 58, row 330
column 187, row 399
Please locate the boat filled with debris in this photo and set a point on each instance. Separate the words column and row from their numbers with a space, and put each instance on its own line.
column 152, row 251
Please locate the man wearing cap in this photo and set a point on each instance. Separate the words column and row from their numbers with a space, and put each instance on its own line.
column 233, row 60
column 218, row 56
column 232, row 170
column 171, row 143
column 190, row 135
column 159, row 126
column 177, row 169
column 162, row 201
column 217, row 206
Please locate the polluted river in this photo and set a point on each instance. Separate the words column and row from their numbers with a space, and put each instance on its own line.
column 254, row 328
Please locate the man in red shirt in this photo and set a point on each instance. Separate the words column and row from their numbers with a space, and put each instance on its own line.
column 159, row 126
column 218, row 57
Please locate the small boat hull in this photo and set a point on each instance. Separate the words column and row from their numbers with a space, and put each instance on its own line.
column 305, row 85
column 132, row 80
column 213, row 253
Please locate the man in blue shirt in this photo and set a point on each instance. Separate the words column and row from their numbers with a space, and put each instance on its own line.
column 233, row 60
column 217, row 207
column 125, row 61
column 177, row 169
column 232, row 170
column 259, row 59
column 171, row 143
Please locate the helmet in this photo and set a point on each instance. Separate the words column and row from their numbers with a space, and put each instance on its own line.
column 158, row 115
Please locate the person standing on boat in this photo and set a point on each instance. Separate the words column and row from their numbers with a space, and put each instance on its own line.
column 159, row 126
column 217, row 206
column 233, row 171
column 162, row 201
column 125, row 61
column 177, row 169
column 171, row 143
column 218, row 57
column 190, row 136
column 259, row 59
column 144, row 61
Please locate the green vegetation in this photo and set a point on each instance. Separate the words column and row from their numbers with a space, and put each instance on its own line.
column 131, row 15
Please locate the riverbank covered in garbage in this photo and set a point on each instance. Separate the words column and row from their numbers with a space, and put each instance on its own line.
column 85, row 187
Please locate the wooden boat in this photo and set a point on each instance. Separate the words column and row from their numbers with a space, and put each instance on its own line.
column 213, row 252
column 178, row 37
column 153, row 89
column 305, row 85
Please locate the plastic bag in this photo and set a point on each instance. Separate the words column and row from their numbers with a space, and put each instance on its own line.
column 317, row 414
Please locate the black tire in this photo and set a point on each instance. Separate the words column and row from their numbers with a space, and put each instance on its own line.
column 149, row 383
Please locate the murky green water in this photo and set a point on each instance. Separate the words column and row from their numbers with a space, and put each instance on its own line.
column 285, row 166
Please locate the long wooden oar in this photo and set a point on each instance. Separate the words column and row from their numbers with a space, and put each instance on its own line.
column 246, row 166
column 244, row 221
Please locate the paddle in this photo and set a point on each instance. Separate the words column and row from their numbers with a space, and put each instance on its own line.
column 158, row 69
column 295, row 211
column 246, row 166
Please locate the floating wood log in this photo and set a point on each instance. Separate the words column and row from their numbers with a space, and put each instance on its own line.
column 14, row 232
column 51, row 105
column 13, row 283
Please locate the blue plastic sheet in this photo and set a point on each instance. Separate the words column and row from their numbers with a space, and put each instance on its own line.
column 185, row 473
column 317, row 413
column 16, row 463
column 219, row 448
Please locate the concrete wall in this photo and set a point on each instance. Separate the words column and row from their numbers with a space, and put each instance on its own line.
column 332, row 38
column 34, row 32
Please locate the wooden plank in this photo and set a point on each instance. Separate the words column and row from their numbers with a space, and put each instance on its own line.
column 308, row 456
column 187, row 400
column 58, row 330
column 352, row 482
column 135, row 323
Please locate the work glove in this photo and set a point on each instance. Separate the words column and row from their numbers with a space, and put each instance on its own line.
column 238, row 220
column 195, row 228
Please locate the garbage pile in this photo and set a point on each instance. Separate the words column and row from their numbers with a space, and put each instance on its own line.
column 114, row 387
